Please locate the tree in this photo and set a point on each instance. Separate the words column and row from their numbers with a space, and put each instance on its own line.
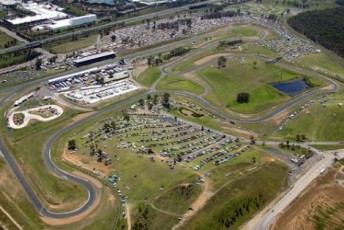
column 243, row 97
column 155, row 99
column 166, row 100
column 150, row 60
column 113, row 125
column 221, row 62
column 52, row 59
column 107, row 127
column 100, row 80
column 113, row 37
column 141, row 102
column 149, row 97
column 92, row 149
column 303, row 137
column 38, row 64
column 71, row 144
column 272, row 17
column 100, row 155
column 253, row 140
column 126, row 117
column 298, row 138
column 150, row 106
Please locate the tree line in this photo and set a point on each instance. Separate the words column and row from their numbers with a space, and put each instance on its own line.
column 325, row 27
column 220, row 14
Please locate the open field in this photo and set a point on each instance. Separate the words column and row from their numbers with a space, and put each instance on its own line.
column 321, row 206
column 178, row 199
column 321, row 62
column 149, row 76
column 6, row 40
column 237, row 200
column 328, row 147
column 247, row 48
column 254, row 79
column 70, row 46
column 314, row 122
column 179, row 83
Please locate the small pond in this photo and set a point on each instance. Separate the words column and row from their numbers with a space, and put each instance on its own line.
column 291, row 88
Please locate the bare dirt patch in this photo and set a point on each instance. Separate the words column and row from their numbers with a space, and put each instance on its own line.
column 86, row 162
column 81, row 116
column 269, row 159
column 206, row 59
column 323, row 194
column 138, row 69
column 199, row 203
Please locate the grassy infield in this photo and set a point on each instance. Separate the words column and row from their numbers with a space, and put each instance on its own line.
column 179, row 83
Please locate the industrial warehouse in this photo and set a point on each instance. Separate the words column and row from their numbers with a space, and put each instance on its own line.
column 45, row 16
column 94, row 58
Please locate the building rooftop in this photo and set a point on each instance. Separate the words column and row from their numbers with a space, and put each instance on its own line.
column 42, row 11
column 95, row 56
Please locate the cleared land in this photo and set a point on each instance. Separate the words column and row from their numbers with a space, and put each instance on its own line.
column 70, row 46
column 149, row 76
column 321, row 206
column 180, row 83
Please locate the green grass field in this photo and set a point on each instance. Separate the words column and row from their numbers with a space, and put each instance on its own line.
column 318, row 122
column 145, row 217
column 180, row 83
column 237, row 200
column 235, row 78
column 178, row 199
column 70, row 46
column 189, row 62
column 4, row 39
column 328, row 147
column 149, row 76
column 323, row 62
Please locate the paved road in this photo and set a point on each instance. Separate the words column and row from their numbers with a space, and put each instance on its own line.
column 268, row 218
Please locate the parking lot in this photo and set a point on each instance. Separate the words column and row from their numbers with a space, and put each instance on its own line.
column 172, row 139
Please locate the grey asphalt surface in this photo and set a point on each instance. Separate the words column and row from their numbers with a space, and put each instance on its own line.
column 91, row 190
